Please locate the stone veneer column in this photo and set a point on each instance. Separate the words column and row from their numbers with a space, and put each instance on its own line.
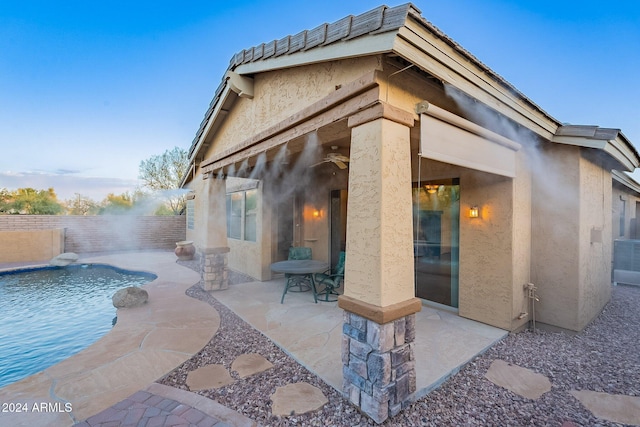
column 379, row 294
column 213, row 257
column 215, row 273
column 379, row 371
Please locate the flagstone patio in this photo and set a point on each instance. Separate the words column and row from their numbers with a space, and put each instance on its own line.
column 312, row 333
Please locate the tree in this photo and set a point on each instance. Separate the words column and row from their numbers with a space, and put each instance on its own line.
column 116, row 205
column 163, row 174
column 5, row 201
column 81, row 205
column 30, row 201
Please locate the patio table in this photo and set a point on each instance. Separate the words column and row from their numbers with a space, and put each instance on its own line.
column 300, row 267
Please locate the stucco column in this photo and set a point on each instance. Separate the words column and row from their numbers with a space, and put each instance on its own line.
column 214, row 254
column 379, row 294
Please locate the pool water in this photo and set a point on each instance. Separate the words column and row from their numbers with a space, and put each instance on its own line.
column 51, row 313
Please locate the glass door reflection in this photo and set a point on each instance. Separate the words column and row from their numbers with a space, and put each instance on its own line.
column 436, row 219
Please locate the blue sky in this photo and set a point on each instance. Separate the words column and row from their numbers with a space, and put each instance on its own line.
column 89, row 89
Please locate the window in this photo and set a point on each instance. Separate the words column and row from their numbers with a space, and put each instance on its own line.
column 250, row 214
column 191, row 210
column 242, row 214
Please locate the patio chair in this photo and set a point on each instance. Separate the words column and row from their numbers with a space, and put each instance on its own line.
column 299, row 252
column 331, row 279
column 303, row 283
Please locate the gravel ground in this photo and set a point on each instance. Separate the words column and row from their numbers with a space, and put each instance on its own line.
column 605, row 357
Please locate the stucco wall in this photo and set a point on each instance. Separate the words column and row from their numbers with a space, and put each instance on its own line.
column 495, row 248
column 522, row 237
column 101, row 233
column 199, row 212
column 595, row 246
column 246, row 256
column 556, row 229
column 379, row 264
column 279, row 94
column 486, row 248
column 32, row 245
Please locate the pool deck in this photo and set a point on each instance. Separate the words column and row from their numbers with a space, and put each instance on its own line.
column 146, row 343
column 112, row 382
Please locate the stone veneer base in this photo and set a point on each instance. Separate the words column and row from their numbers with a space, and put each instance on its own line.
column 378, row 362
column 215, row 272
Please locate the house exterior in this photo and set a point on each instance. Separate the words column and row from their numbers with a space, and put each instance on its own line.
column 625, row 206
column 626, row 236
column 380, row 136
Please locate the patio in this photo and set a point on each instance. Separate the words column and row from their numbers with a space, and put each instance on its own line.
column 312, row 333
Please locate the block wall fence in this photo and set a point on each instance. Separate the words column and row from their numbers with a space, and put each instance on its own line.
column 102, row 233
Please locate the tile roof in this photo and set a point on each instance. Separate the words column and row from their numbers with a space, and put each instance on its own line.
column 379, row 20
column 382, row 19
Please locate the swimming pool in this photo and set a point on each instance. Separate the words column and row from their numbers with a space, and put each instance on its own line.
column 51, row 313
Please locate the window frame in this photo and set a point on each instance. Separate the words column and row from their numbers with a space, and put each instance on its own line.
column 239, row 230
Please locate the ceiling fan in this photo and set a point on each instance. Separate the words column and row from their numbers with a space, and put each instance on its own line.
column 338, row 159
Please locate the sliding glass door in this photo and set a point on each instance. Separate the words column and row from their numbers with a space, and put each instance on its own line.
column 436, row 219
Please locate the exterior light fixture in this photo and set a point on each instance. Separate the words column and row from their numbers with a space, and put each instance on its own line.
column 317, row 213
column 431, row 188
column 474, row 212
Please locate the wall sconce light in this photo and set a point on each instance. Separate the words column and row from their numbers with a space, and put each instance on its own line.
column 317, row 214
column 474, row 212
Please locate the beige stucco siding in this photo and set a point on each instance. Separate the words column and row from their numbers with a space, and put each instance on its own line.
column 555, row 260
column 486, row 248
column 245, row 257
column 595, row 250
column 31, row 245
column 572, row 253
column 199, row 212
column 379, row 265
column 206, row 209
column 521, row 240
column 280, row 94
column 494, row 249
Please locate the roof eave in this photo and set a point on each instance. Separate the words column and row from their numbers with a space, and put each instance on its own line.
column 210, row 122
column 611, row 141
column 364, row 46
column 625, row 180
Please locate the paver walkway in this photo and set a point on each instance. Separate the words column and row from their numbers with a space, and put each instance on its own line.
column 162, row 406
